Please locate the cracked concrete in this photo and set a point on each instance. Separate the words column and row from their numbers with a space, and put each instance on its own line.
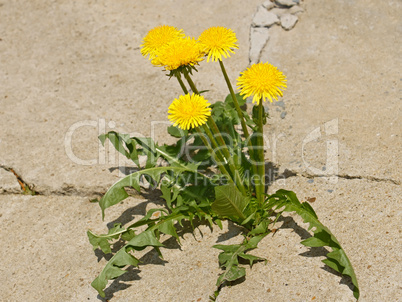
column 332, row 85
column 8, row 182
column 354, row 210
column 62, row 255
column 346, row 176
column 71, row 71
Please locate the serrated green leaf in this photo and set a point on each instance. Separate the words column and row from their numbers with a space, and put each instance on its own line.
column 122, row 258
column 169, row 229
column 117, row 140
column 337, row 259
column 232, row 274
column 227, row 248
column 253, row 242
column 146, row 238
column 128, row 235
column 251, row 258
column 224, row 257
column 112, row 270
column 261, row 228
column 332, row 264
column 117, row 192
column 228, row 259
column 229, row 201
column 313, row 242
column 102, row 241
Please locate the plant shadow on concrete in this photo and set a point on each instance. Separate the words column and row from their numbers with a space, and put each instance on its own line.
column 313, row 252
column 216, row 171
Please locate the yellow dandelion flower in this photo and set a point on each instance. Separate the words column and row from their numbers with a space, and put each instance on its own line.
column 158, row 37
column 177, row 53
column 262, row 80
column 217, row 42
column 189, row 111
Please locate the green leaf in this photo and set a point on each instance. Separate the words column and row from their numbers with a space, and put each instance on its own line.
column 169, row 229
column 171, row 155
column 117, row 193
column 122, row 258
column 229, row 201
column 176, row 131
column 149, row 150
column 233, row 273
column 117, row 141
column 251, row 258
column 261, row 228
column 102, row 241
column 229, row 258
column 337, row 259
column 313, row 242
column 240, row 99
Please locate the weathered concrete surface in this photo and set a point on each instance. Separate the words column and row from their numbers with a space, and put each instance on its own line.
column 8, row 182
column 343, row 65
column 364, row 216
column 78, row 64
column 65, row 64
column 50, row 259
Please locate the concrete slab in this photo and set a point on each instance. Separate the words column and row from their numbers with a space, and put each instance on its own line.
column 8, row 182
column 343, row 66
column 71, row 71
column 364, row 216
column 50, row 259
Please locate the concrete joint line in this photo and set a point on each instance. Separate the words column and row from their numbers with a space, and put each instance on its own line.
column 344, row 176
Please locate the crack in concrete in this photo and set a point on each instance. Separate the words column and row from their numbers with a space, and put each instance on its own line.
column 289, row 173
column 25, row 187
column 69, row 190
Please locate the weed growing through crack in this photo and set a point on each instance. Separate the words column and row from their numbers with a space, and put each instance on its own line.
column 236, row 190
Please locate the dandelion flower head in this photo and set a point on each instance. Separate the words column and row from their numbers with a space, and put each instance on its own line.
column 189, row 111
column 179, row 52
column 158, row 37
column 263, row 81
column 217, row 42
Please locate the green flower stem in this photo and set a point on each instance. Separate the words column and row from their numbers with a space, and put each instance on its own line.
column 242, row 121
column 261, row 160
column 217, row 134
column 226, row 154
column 190, row 82
column 235, row 102
column 214, row 154
column 214, row 145
column 178, row 77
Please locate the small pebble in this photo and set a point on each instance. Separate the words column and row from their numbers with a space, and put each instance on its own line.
column 310, row 181
column 264, row 18
column 330, row 191
column 283, row 114
column 288, row 21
